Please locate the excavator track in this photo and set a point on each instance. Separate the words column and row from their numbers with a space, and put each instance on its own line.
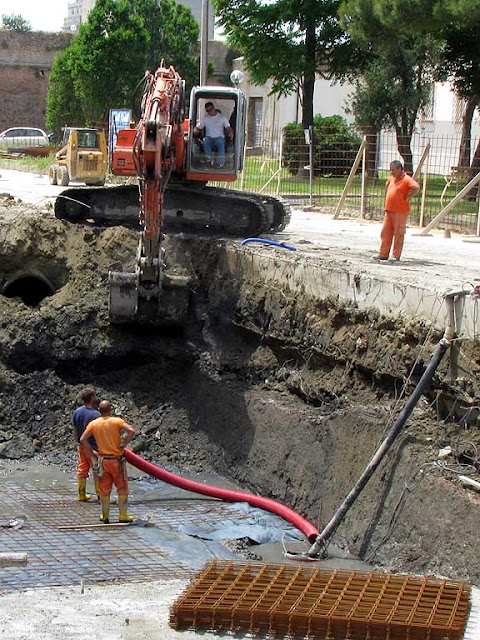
column 188, row 208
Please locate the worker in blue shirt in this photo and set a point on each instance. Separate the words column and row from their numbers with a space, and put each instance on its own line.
column 80, row 419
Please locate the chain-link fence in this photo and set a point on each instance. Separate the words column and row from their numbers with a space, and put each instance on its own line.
column 326, row 175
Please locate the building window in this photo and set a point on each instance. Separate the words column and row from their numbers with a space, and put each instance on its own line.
column 428, row 111
column 255, row 117
column 458, row 110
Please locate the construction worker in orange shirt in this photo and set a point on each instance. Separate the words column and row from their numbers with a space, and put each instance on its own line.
column 111, row 434
column 400, row 189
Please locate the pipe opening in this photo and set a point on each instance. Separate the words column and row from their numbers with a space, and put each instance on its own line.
column 30, row 289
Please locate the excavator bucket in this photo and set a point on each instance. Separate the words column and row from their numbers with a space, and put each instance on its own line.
column 129, row 304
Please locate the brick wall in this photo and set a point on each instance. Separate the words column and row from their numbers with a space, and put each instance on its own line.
column 25, row 63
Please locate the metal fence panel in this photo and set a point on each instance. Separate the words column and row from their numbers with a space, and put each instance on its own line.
column 276, row 166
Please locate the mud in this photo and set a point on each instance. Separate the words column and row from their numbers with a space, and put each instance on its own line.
column 288, row 397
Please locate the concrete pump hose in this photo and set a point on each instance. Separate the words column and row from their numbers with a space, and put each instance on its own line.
column 228, row 495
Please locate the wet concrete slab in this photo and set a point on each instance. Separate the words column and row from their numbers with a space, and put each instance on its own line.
column 67, row 545
column 110, row 583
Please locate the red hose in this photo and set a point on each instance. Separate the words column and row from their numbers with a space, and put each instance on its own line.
column 224, row 494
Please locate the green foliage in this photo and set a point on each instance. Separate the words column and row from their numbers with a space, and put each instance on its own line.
column 461, row 57
column 399, row 66
column 335, row 146
column 107, row 58
column 172, row 34
column 106, row 61
column 285, row 41
column 15, row 22
column 63, row 105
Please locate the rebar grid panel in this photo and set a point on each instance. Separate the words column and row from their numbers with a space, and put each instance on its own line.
column 304, row 601
column 65, row 557
column 60, row 507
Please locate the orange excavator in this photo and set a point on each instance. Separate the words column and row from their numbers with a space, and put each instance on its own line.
column 166, row 153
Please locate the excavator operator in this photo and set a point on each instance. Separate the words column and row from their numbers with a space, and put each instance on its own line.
column 216, row 126
column 110, row 460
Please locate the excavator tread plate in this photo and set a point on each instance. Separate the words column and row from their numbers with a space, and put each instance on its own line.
column 192, row 209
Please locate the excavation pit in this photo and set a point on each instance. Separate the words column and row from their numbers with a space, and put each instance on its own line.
column 285, row 390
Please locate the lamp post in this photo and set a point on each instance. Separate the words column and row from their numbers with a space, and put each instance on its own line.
column 204, row 43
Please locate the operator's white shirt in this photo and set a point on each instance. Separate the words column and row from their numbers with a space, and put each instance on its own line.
column 214, row 125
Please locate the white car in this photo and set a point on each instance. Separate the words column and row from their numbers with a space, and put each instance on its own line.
column 23, row 138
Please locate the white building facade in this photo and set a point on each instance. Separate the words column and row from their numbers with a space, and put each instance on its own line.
column 78, row 11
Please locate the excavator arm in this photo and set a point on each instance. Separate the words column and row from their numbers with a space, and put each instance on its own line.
column 157, row 137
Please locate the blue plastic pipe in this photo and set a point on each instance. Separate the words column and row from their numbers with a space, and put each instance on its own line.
column 272, row 242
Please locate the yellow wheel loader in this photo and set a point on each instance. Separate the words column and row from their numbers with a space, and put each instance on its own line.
column 82, row 158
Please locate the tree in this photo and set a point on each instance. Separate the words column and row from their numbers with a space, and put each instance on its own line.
column 15, row 22
column 286, row 41
column 107, row 59
column 172, row 33
column 399, row 67
column 461, row 59
column 63, row 105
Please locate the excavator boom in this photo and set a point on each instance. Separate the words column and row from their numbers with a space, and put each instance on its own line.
column 150, row 293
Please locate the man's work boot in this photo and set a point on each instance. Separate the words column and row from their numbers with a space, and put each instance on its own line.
column 122, row 509
column 105, row 502
column 82, row 485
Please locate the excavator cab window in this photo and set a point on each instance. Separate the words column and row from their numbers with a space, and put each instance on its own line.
column 216, row 133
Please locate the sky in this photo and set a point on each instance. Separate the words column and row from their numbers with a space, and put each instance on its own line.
column 43, row 15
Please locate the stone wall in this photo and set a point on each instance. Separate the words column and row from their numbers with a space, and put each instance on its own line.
column 26, row 60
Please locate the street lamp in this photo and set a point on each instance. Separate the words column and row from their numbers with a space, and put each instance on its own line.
column 236, row 78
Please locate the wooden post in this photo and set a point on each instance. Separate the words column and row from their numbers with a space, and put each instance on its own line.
column 350, row 179
column 425, row 155
column 425, row 158
column 13, row 559
column 468, row 187
column 364, row 179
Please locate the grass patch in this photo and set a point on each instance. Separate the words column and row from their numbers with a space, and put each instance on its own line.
column 28, row 163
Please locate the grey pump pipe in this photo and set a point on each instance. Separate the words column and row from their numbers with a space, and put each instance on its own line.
column 423, row 384
column 13, row 559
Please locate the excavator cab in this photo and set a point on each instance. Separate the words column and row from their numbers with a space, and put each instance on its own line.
column 218, row 156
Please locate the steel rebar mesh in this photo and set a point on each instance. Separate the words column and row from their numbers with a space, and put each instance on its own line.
column 297, row 601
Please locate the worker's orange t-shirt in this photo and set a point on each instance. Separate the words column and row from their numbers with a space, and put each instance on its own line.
column 106, row 431
column 396, row 192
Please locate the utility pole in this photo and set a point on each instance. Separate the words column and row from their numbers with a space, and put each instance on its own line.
column 204, row 44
